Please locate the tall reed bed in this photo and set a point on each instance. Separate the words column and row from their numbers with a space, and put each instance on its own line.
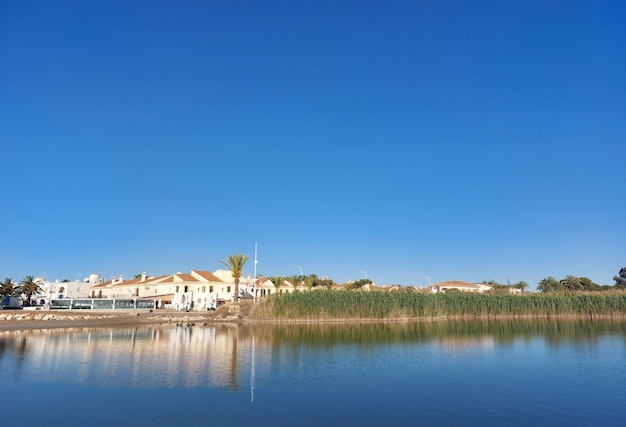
column 337, row 305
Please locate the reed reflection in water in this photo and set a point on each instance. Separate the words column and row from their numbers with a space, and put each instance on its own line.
column 369, row 374
column 164, row 356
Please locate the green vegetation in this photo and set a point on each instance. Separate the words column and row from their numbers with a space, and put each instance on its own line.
column 358, row 284
column 276, row 281
column 7, row 288
column 29, row 287
column 357, row 305
column 295, row 281
column 235, row 264
column 620, row 280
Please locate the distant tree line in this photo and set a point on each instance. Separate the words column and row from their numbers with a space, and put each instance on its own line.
column 577, row 284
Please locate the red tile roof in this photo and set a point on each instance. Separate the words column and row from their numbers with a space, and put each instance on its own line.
column 207, row 275
column 187, row 278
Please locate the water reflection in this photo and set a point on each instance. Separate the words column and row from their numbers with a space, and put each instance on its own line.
column 221, row 355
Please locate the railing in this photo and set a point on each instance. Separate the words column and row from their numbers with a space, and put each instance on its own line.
column 101, row 304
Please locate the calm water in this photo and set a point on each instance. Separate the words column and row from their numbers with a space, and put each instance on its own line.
column 454, row 373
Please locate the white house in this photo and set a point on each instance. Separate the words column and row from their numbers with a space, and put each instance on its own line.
column 66, row 289
column 459, row 285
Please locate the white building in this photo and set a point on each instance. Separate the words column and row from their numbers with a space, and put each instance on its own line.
column 459, row 285
column 65, row 289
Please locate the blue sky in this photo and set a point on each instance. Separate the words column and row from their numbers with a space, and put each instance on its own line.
column 449, row 139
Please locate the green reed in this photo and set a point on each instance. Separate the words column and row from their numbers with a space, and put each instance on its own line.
column 337, row 305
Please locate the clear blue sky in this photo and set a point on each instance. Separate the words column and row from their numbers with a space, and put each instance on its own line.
column 459, row 140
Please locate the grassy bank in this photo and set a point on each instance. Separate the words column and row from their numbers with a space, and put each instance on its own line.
column 334, row 305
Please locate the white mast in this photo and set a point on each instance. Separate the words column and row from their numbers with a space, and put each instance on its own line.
column 254, row 283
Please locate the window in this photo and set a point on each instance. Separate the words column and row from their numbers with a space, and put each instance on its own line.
column 203, row 289
column 228, row 289
column 176, row 289
column 210, row 288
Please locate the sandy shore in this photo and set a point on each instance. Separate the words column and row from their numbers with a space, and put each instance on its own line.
column 54, row 319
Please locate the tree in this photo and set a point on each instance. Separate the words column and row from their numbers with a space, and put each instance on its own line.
column 588, row 284
column 277, row 281
column 571, row 283
column 620, row 281
column 324, row 282
column 549, row 284
column 295, row 281
column 496, row 288
column 521, row 285
column 29, row 286
column 358, row 284
column 235, row 264
column 7, row 288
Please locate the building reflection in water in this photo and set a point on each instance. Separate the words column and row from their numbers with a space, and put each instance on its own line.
column 142, row 357
column 232, row 356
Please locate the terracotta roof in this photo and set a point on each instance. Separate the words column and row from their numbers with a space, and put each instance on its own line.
column 207, row 275
column 155, row 280
column 265, row 281
column 129, row 282
column 187, row 278
column 101, row 285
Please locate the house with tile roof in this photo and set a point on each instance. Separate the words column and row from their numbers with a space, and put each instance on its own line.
column 199, row 290
column 195, row 290
column 441, row 287
column 143, row 286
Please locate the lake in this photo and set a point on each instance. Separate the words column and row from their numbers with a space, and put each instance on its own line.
column 439, row 373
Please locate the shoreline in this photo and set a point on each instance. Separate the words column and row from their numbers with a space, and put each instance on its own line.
column 228, row 314
column 16, row 320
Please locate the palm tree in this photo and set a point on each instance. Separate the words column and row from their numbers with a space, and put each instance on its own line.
column 295, row 281
column 7, row 288
column 571, row 283
column 235, row 264
column 549, row 284
column 277, row 281
column 29, row 286
column 309, row 282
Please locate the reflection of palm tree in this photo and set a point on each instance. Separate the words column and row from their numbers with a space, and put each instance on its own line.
column 234, row 381
column 235, row 264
